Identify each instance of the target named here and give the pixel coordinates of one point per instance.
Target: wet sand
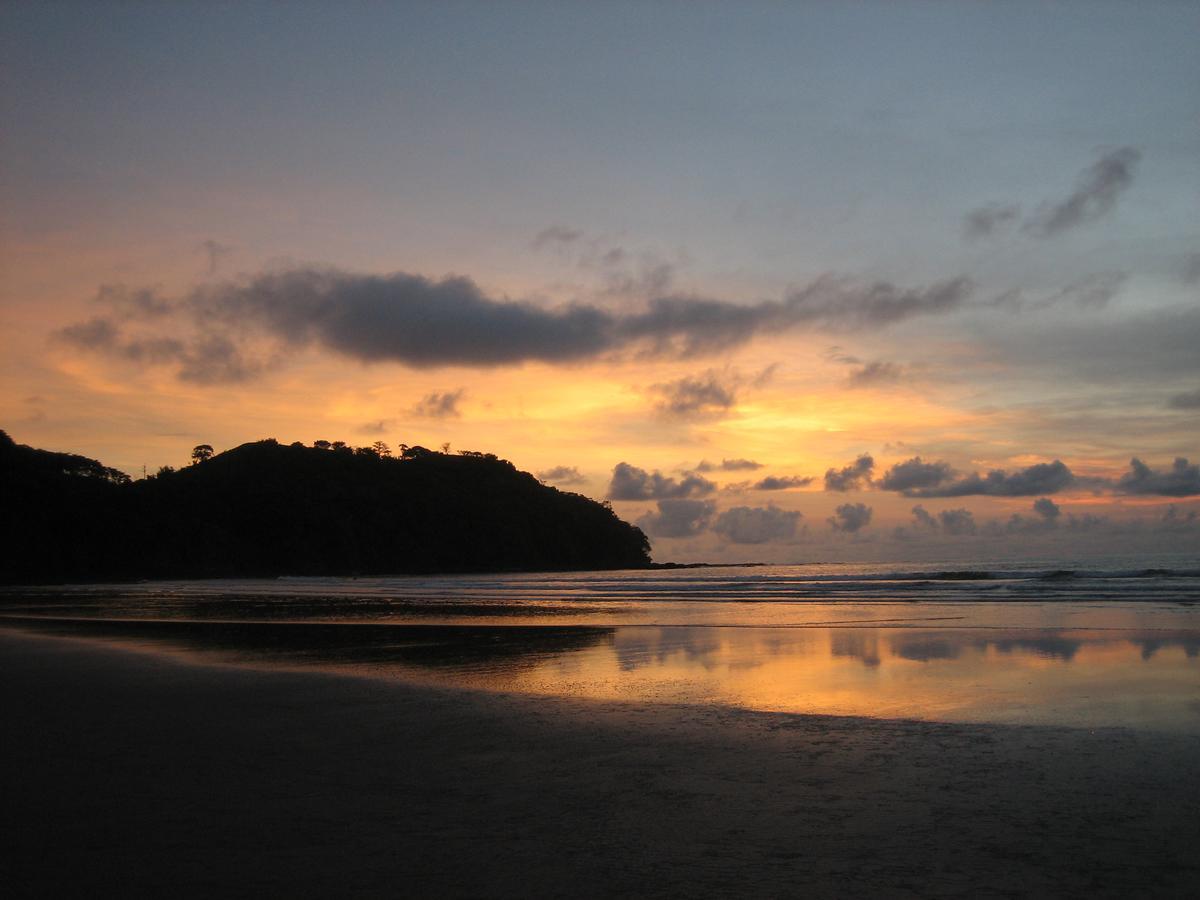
(144, 774)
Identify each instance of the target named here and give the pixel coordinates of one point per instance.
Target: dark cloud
(954, 522)
(698, 396)
(1042, 478)
(957, 522)
(380, 426)
(678, 518)
(440, 405)
(728, 465)
(756, 524)
(782, 482)
(1046, 518)
(556, 234)
(1047, 509)
(874, 373)
(214, 252)
(850, 517)
(1189, 400)
(914, 474)
(922, 518)
(1173, 520)
(420, 322)
(1094, 196)
(1094, 291)
(97, 333)
(567, 475)
(208, 358)
(851, 477)
(1085, 522)
(987, 220)
(631, 483)
(1181, 480)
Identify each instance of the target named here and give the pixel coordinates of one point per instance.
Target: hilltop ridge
(266, 509)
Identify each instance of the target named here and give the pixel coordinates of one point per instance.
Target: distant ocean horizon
(1133, 578)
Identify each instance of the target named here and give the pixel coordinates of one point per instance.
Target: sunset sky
(782, 281)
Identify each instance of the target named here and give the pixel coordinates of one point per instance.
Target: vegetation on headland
(266, 509)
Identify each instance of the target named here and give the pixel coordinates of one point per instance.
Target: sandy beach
(145, 774)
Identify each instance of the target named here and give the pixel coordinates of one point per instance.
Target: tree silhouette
(381, 449)
(264, 510)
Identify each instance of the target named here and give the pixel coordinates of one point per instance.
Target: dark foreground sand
(142, 775)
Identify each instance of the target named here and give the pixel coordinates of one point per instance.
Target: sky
(782, 282)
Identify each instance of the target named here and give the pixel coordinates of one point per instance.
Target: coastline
(146, 774)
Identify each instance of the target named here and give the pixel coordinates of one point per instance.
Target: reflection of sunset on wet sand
(1077, 677)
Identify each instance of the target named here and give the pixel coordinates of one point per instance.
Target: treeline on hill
(264, 509)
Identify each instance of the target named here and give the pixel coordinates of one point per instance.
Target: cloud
(1047, 509)
(922, 518)
(850, 477)
(954, 522)
(1189, 400)
(652, 277)
(631, 483)
(567, 475)
(440, 405)
(1174, 520)
(209, 358)
(850, 517)
(1094, 291)
(623, 273)
(924, 481)
(1181, 480)
(957, 522)
(380, 426)
(987, 220)
(678, 518)
(214, 252)
(913, 474)
(1094, 196)
(97, 333)
(420, 322)
(782, 482)
(1047, 514)
(556, 234)
(728, 465)
(756, 524)
(873, 373)
(698, 396)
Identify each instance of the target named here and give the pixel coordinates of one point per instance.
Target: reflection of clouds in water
(929, 647)
(860, 644)
(709, 648)
(1050, 647)
(735, 649)
(1150, 646)
(638, 647)
(923, 647)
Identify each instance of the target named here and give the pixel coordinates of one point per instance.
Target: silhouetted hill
(264, 509)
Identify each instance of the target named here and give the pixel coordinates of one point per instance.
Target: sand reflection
(1086, 678)
(1091, 677)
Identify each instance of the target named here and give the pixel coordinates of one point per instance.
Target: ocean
(1034, 642)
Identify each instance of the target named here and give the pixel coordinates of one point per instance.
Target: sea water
(1034, 642)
